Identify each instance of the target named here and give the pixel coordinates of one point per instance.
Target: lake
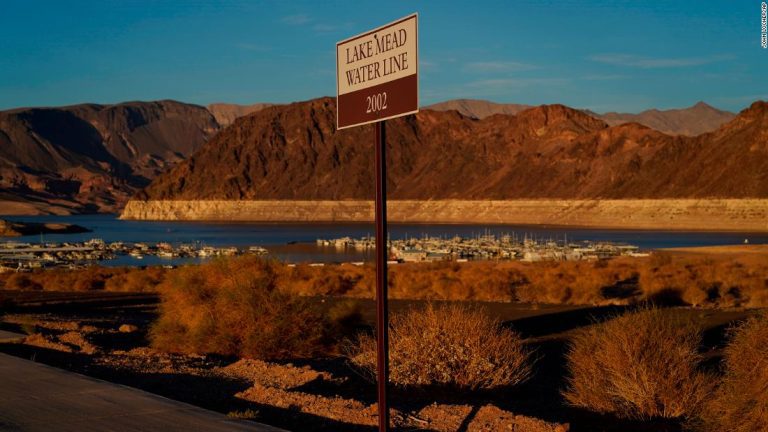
(295, 242)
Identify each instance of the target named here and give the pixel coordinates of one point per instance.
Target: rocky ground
(108, 340)
(322, 394)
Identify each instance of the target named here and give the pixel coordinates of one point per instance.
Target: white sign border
(365, 33)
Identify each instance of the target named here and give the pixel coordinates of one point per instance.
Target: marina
(17, 256)
(138, 243)
(507, 246)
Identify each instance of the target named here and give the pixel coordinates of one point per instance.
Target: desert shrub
(580, 282)
(710, 281)
(88, 279)
(455, 345)
(641, 365)
(234, 307)
(21, 281)
(741, 402)
(344, 279)
(345, 318)
(136, 280)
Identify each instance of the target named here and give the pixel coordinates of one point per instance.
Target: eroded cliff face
(694, 214)
(87, 158)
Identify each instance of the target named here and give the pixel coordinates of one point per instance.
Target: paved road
(36, 397)
(6, 336)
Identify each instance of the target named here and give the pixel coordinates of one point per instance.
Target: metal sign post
(376, 80)
(382, 312)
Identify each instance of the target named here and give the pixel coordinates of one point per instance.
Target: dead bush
(454, 345)
(640, 365)
(741, 402)
(136, 280)
(21, 281)
(234, 307)
(345, 318)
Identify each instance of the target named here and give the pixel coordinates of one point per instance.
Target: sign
(377, 74)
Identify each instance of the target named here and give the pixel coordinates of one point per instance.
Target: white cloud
(604, 77)
(497, 66)
(631, 60)
(516, 82)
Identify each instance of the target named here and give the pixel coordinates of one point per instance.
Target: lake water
(295, 242)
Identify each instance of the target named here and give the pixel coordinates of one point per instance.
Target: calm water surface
(295, 242)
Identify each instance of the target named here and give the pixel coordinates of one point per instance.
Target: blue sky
(605, 56)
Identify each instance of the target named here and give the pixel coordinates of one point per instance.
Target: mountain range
(694, 120)
(293, 152)
(89, 157)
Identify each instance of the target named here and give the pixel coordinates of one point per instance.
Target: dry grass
(234, 307)
(705, 280)
(741, 402)
(91, 278)
(666, 279)
(640, 365)
(456, 345)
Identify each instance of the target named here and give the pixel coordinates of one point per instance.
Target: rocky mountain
(92, 157)
(226, 113)
(477, 108)
(695, 120)
(293, 152)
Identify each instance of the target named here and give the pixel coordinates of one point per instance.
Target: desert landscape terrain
(147, 328)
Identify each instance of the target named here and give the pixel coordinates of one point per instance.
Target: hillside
(546, 165)
(90, 157)
(691, 121)
(477, 108)
(226, 113)
(552, 151)
(695, 120)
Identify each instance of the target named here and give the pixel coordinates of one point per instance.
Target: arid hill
(691, 121)
(293, 152)
(92, 157)
(477, 108)
(226, 113)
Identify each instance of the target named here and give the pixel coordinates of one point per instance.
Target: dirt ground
(107, 338)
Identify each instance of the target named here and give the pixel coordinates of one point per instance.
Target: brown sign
(377, 74)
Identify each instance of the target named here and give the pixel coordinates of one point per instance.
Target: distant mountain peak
(702, 104)
(226, 113)
(477, 108)
(694, 120)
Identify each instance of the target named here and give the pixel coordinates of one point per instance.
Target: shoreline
(695, 215)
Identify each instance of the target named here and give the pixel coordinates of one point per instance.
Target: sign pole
(382, 315)
(377, 79)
